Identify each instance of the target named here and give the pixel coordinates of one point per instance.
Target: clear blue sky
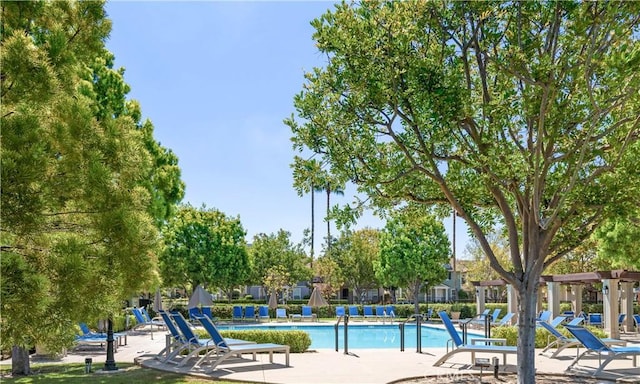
(217, 79)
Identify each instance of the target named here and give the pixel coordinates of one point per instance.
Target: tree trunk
(416, 294)
(528, 298)
(20, 361)
(313, 232)
(328, 221)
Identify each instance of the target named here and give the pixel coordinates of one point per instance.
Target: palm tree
(308, 178)
(331, 187)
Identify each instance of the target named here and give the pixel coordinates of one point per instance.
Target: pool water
(361, 336)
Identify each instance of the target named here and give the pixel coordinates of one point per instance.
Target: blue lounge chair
(143, 321)
(561, 342)
(391, 311)
(506, 320)
(89, 338)
(224, 349)
(636, 319)
(281, 314)
(307, 313)
(193, 343)
(380, 312)
(184, 339)
(594, 345)
(595, 319)
(479, 320)
(250, 313)
(193, 312)
(569, 315)
(428, 314)
(621, 318)
(484, 314)
(473, 348)
(544, 316)
(120, 337)
(340, 311)
(494, 315)
(557, 321)
(354, 312)
(207, 311)
(367, 312)
(263, 313)
(575, 321)
(237, 313)
(178, 341)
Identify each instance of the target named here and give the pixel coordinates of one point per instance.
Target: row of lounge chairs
(368, 312)
(214, 350)
(248, 313)
(92, 339)
(606, 349)
(592, 319)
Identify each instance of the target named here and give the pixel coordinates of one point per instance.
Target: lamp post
(110, 364)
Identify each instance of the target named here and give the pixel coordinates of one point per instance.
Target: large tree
(414, 249)
(355, 253)
(330, 274)
(307, 178)
(525, 113)
(78, 229)
(205, 246)
(276, 249)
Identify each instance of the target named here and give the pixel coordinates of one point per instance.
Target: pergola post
(512, 300)
(610, 307)
(553, 298)
(576, 298)
(479, 299)
(626, 305)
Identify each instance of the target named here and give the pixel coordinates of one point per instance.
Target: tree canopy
(355, 252)
(276, 249)
(205, 246)
(331, 276)
(522, 113)
(618, 241)
(82, 196)
(414, 249)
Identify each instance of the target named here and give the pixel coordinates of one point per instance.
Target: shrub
(543, 337)
(509, 332)
(298, 341)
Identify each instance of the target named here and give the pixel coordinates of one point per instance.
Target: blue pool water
(361, 336)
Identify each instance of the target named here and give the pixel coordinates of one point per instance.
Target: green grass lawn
(74, 374)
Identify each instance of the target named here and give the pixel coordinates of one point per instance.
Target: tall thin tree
(331, 187)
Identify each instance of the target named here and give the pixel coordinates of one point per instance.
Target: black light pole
(110, 364)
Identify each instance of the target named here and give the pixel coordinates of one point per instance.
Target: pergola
(617, 294)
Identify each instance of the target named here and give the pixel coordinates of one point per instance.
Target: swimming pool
(361, 336)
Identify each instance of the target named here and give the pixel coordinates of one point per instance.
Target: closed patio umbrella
(200, 297)
(316, 299)
(157, 301)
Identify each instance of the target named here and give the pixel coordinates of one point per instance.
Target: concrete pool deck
(326, 366)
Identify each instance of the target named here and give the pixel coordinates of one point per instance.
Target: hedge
(543, 337)
(298, 341)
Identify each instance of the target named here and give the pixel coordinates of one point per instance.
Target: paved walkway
(328, 366)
